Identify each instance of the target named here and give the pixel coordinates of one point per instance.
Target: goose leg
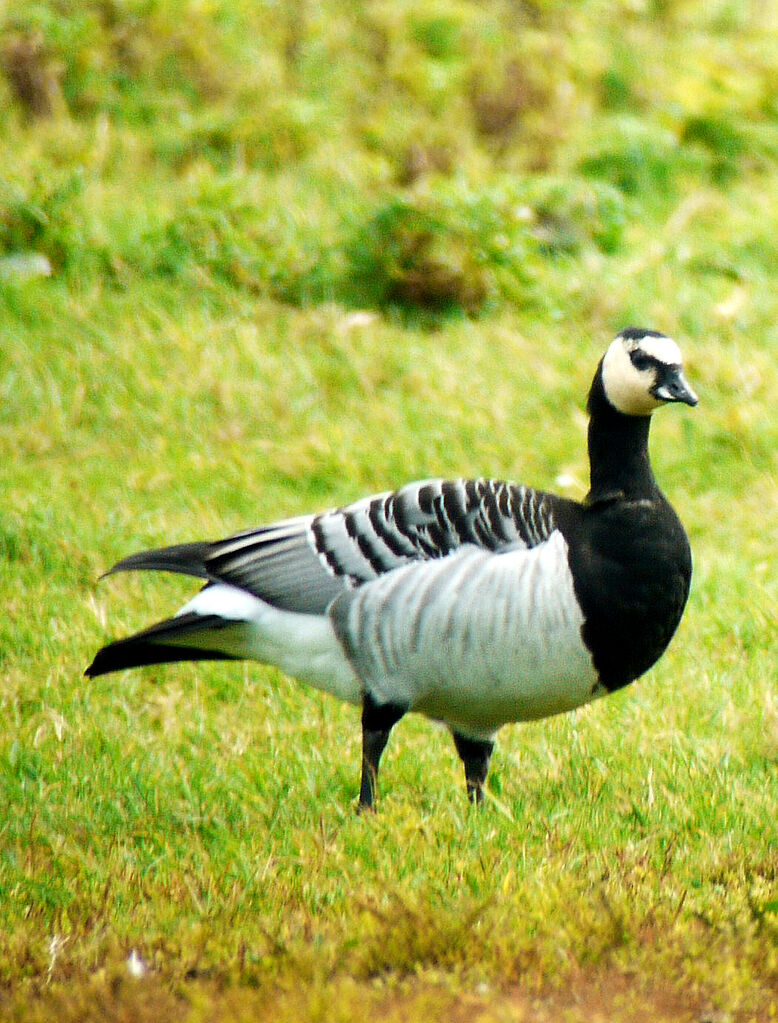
(475, 754)
(377, 722)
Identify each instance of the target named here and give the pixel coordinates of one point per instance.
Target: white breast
(475, 639)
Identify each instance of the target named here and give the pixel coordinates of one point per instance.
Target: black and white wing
(302, 564)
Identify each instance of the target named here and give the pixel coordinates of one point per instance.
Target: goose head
(641, 370)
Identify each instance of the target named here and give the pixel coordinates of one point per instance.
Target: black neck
(618, 450)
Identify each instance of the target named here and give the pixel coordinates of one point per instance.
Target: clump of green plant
(251, 232)
(570, 213)
(422, 254)
(722, 140)
(639, 159)
(44, 214)
(454, 245)
(136, 60)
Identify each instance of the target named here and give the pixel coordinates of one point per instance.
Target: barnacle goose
(474, 602)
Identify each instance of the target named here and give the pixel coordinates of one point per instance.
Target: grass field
(300, 253)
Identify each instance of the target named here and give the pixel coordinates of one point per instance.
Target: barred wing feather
(303, 564)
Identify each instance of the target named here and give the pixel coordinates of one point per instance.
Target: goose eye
(640, 360)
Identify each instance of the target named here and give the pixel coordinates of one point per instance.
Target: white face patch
(628, 388)
(663, 349)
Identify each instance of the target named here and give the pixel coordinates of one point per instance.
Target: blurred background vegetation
(444, 156)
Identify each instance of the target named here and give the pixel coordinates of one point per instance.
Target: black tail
(162, 643)
(186, 558)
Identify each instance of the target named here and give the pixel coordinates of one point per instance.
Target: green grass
(280, 282)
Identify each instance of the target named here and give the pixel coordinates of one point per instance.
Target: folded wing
(303, 564)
